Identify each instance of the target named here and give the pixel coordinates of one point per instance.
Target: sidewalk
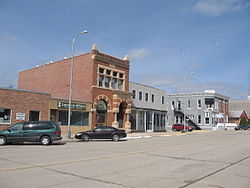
(143, 134)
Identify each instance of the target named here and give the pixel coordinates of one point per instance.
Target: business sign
(20, 116)
(65, 105)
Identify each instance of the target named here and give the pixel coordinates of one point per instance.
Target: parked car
(180, 127)
(103, 132)
(242, 127)
(44, 132)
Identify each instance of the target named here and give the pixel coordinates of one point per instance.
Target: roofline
(14, 89)
(147, 86)
(198, 94)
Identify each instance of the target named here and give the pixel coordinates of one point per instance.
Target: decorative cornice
(110, 59)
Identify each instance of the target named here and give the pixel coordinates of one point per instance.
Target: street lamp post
(71, 81)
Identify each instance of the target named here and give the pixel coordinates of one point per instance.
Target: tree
(243, 121)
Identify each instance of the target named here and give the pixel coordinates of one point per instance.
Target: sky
(178, 46)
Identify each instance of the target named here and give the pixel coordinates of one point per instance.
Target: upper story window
(146, 96)
(189, 104)
(110, 78)
(134, 94)
(216, 105)
(153, 98)
(140, 95)
(172, 105)
(162, 100)
(199, 104)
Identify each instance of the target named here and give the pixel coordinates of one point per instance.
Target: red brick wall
(54, 78)
(23, 102)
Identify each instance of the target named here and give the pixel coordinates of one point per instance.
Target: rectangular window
(108, 72)
(77, 118)
(207, 120)
(140, 95)
(153, 98)
(101, 70)
(34, 116)
(206, 114)
(134, 94)
(101, 78)
(114, 74)
(114, 83)
(172, 105)
(199, 104)
(121, 75)
(162, 100)
(107, 82)
(146, 96)
(216, 105)
(199, 119)
(5, 115)
(120, 84)
(177, 119)
(189, 104)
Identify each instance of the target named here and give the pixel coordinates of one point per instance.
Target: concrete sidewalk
(144, 134)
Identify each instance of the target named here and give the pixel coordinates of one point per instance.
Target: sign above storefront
(73, 106)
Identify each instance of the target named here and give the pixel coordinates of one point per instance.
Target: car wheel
(85, 138)
(115, 137)
(3, 140)
(45, 140)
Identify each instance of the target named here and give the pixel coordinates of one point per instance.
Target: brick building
(100, 83)
(20, 105)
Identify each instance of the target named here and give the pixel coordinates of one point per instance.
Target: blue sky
(205, 41)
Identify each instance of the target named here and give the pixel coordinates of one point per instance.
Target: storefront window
(4, 115)
(77, 118)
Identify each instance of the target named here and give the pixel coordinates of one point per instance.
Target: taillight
(58, 133)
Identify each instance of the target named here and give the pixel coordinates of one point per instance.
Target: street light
(71, 80)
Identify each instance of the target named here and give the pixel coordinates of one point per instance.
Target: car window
(98, 129)
(17, 127)
(30, 126)
(45, 125)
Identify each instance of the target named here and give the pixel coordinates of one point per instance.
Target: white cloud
(217, 7)
(8, 37)
(139, 53)
(174, 83)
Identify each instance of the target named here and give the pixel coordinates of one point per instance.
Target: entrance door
(121, 115)
(101, 113)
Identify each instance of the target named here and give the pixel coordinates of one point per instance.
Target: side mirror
(9, 130)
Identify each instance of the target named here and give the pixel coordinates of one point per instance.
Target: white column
(145, 122)
(153, 121)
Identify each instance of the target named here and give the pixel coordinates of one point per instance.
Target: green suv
(44, 132)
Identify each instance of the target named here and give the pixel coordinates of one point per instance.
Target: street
(200, 159)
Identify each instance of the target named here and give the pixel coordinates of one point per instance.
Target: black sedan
(242, 127)
(104, 132)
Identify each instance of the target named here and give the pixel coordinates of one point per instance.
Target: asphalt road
(208, 159)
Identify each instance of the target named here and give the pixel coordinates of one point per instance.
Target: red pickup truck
(180, 127)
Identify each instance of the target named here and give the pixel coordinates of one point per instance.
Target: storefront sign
(73, 106)
(20, 116)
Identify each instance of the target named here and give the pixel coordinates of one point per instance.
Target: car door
(15, 133)
(97, 133)
(30, 132)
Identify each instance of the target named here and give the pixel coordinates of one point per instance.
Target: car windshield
(15, 127)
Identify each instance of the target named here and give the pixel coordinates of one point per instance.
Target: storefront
(81, 115)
